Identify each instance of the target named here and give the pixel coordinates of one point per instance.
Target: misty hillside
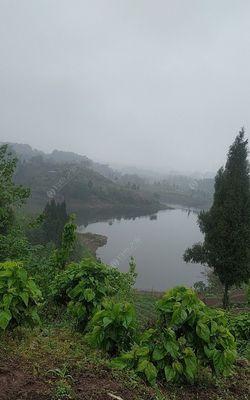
(25, 152)
(88, 185)
(73, 178)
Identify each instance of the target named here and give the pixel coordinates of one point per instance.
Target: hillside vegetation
(81, 187)
(72, 327)
(97, 191)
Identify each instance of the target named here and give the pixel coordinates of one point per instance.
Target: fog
(161, 84)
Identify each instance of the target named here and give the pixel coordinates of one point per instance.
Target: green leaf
(76, 291)
(22, 274)
(209, 352)
(89, 294)
(229, 356)
(158, 354)
(150, 372)
(203, 331)
(35, 317)
(147, 335)
(34, 289)
(107, 321)
(118, 363)
(179, 315)
(128, 356)
(7, 299)
(25, 297)
(5, 317)
(5, 273)
(177, 366)
(169, 373)
(172, 348)
(218, 361)
(128, 319)
(191, 366)
(214, 327)
(142, 351)
(142, 365)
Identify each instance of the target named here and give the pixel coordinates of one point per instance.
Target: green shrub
(82, 287)
(113, 327)
(122, 283)
(204, 329)
(239, 325)
(19, 296)
(187, 336)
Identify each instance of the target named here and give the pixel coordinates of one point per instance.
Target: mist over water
(157, 245)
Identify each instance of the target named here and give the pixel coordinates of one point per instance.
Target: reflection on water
(157, 242)
(89, 216)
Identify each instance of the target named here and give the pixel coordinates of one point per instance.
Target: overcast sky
(157, 83)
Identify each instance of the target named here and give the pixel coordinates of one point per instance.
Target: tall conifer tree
(226, 226)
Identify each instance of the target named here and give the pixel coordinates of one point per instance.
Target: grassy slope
(29, 363)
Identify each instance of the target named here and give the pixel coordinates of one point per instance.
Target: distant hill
(25, 152)
(75, 179)
(93, 188)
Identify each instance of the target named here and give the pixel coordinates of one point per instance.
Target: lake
(157, 242)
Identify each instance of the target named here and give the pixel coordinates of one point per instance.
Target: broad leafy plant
(19, 297)
(82, 288)
(113, 327)
(204, 329)
(160, 355)
(239, 325)
(188, 335)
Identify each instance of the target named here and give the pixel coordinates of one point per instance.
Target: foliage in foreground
(239, 325)
(113, 327)
(83, 286)
(19, 297)
(187, 335)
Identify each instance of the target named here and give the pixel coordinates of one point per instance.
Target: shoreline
(92, 241)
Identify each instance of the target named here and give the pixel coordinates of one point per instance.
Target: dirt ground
(16, 383)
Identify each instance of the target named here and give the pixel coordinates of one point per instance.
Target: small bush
(204, 329)
(122, 283)
(113, 327)
(187, 335)
(19, 297)
(239, 325)
(82, 287)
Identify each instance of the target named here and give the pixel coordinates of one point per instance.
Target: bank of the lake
(92, 241)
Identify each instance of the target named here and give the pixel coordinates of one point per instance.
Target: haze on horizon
(163, 84)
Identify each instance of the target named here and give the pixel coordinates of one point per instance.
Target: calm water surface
(157, 245)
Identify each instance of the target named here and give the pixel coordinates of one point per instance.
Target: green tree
(11, 197)
(55, 217)
(226, 226)
(68, 242)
